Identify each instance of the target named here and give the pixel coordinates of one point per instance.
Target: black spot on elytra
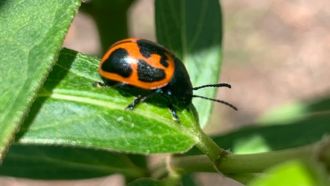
(117, 63)
(148, 73)
(147, 48)
(163, 61)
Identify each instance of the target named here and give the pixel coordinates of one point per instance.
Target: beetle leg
(99, 84)
(173, 112)
(138, 100)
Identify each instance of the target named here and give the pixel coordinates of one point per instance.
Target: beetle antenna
(213, 85)
(216, 100)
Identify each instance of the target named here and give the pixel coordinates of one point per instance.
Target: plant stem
(252, 163)
(210, 148)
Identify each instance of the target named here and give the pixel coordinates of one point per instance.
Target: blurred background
(275, 53)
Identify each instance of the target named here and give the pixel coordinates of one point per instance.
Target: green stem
(210, 148)
(252, 163)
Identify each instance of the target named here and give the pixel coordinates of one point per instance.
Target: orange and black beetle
(146, 65)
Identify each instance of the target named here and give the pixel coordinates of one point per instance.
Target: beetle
(146, 65)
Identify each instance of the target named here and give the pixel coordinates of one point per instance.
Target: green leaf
(275, 137)
(147, 182)
(289, 113)
(71, 111)
(310, 122)
(284, 114)
(56, 162)
(192, 29)
(293, 173)
(31, 34)
(188, 180)
(168, 181)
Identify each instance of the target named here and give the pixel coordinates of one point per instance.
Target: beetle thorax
(179, 88)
